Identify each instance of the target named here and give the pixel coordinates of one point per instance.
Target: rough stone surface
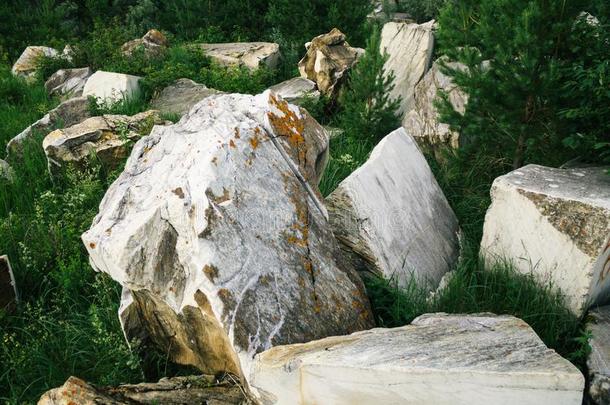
(249, 54)
(8, 288)
(153, 44)
(439, 359)
(68, 113)
(111, 87)
(217, 233)
(409, 48)
(554, 223)
(109, 136)
(26, 65)
(598, 362)
(296, 90)
(392, 218)
(181, 96)
(6, 172)
(68, 83)
(327, 60)
(422, 122)
(168, 391)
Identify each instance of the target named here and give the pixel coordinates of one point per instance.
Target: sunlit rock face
(328, 60)
(409, 47)
(554, 223)
(392, 218)
(439, 359)
(219, 237)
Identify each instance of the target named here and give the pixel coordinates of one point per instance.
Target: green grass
(67, 322)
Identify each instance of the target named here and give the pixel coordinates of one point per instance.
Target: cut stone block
(109, 137)
(296, 90)
(217, 233)
(423, 121)
(409, 48)
(8, 288)
(27, 64)
(181, 96)
(554, 223)
(392, 218)
(111, 87)
(598, 362)
(68, 113)
(249, 54)
(439, 359)
(67, 83)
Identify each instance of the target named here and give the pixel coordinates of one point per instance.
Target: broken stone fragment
(217, 233)
(598, 361)
(153, 44)
(6, 171)
(8, 288)
(328, 59)
(555, 224)
(27, 64)
(67, 83)
(296, 90)
(108, 137)
(68, 113)
(423, 121)
(180, 96)
(111, 87)
(249, 54)
(409, 47)
(438, 359)
(392, 218)
(168, 391)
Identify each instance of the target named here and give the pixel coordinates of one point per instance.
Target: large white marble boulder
(8, 288)
(111, 87)
(296, 90)
(27, 64)
(67, 113)
(217, 234)
(328, 59)
(249, 54)
(392, 218)
(439, 359)
(554, 223)
(68, 83)
(108, 137)
(409, 47)
(423, 121)
(598, 361)
(180, 96)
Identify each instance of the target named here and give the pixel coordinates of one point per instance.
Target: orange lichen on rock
(290, 126)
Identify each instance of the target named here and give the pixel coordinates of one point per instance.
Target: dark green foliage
(315, 17)
(367, 113)
(519, 107)
(422, 10)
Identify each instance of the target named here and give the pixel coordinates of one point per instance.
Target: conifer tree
(515, 52)
(367, 112)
